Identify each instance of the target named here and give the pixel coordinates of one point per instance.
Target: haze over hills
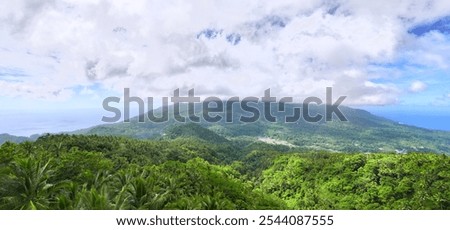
(363, 132)
(16, 139)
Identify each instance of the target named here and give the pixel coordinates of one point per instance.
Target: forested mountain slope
(107, 172)
(363, 132)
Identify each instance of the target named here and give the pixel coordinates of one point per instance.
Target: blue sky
(69, 55)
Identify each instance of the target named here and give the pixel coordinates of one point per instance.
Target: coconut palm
(27, 185)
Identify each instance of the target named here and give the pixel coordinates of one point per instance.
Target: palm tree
(93, 199)
(27, 185)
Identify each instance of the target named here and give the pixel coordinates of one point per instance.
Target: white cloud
(417, 86)
(295, 48)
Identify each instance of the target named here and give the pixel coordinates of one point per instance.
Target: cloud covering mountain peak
(370, 52)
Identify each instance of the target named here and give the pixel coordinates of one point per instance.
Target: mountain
(16, 139)
(234, 165)
(363, 132)
(194, 130)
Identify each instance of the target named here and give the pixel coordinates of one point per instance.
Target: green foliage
(360, 181)
(194, 130)
(104, 172)
(27, 186)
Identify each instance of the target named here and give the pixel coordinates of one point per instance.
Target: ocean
(423, 116)
(26, 123)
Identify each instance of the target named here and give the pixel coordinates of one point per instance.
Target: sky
(60, 57)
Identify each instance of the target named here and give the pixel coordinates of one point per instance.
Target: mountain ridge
(5, 137)
(363, 132)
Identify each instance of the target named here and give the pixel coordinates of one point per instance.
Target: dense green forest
(105, 172)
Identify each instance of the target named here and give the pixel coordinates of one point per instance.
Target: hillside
(363, 132)
(84, 172)
(16, 139)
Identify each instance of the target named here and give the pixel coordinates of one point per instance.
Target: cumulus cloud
(417, 86)
(218, 47)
